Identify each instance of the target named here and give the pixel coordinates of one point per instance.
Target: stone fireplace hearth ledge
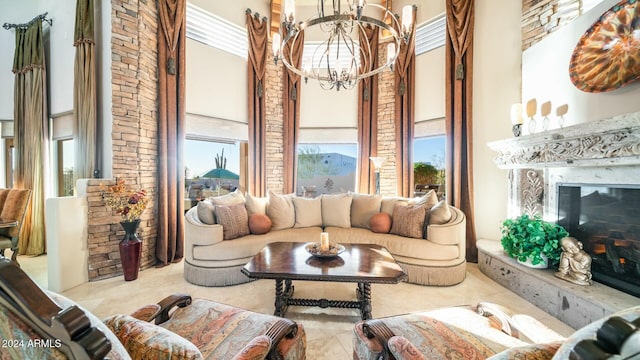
(574, 305)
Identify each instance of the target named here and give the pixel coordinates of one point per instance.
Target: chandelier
(345, 56)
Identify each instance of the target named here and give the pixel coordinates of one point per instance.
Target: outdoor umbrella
(220, 173)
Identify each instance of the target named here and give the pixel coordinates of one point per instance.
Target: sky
(200, 155)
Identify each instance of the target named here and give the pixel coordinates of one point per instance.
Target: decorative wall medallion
(607, 56)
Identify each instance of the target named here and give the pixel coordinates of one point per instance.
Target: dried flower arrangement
(126, 203)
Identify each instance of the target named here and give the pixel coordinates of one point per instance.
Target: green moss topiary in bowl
(527, 238)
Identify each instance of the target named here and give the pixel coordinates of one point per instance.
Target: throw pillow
(281, 211)
(363, 207)
(259, 224)
(440, 214)
(234, 220)
(231, 198)
(255, 205)
(206, 210)
(381, 223)
(428, 200)
(144, 340)
(408, 220)
(388, 203)
(336, 210)
(308, 212)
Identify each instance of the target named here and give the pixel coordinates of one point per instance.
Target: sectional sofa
(426, 237)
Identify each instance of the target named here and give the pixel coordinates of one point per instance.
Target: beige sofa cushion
(388, 203)
(363, 207)
(308, 212)
(206, 212)
(281, 211)
(255, 205)
(206, 208)
(440, 214)
(429, 199)
(336, 210)
(231, 198)
(408, 221)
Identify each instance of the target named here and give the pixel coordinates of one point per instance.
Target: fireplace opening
(606, 219)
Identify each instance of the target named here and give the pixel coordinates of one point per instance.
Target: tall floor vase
(130, 250)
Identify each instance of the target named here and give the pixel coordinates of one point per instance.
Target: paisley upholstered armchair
(35, 324)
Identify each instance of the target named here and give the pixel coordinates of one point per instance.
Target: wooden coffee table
(359, 263)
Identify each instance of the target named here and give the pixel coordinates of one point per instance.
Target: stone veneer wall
(134, 96)
(386, 125)
(542, 17)
(275, 124)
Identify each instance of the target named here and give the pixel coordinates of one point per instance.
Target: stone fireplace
(560, 173)
(606, 219)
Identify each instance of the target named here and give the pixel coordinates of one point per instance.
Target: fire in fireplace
(606, 219)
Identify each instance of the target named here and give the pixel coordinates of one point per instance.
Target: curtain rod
(41, 17)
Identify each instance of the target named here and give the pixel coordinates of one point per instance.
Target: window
(431, 35)
(429, 164)
(212, 30)
(326, 169)
(65, 163)
(212, 167)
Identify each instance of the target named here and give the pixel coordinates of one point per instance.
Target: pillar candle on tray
(324, 241)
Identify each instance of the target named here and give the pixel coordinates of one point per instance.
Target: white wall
(545, 76)
(496, 85)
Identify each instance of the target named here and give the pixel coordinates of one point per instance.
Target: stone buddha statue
(575, 263)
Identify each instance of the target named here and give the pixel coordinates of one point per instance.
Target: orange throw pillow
(380, 223)
(259, 224)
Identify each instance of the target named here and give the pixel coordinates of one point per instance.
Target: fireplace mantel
(610, 142)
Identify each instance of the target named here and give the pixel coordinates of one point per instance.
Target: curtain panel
(291, 113)
(84, 92)
(257, 31)
(171, 129)
(31, 132)
(405, 70)
(368, 115)
(458, 120)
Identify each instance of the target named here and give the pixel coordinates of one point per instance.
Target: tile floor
(329, 331)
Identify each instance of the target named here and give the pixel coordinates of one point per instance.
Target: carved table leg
(280, 301)
(282, 296)
(364, 296)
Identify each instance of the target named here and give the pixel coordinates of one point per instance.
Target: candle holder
(560, 112)
(517, 130)
(531, 112)
(545, 110)
(516, 119)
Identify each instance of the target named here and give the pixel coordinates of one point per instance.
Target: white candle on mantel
(516, 114)
(324, 241)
